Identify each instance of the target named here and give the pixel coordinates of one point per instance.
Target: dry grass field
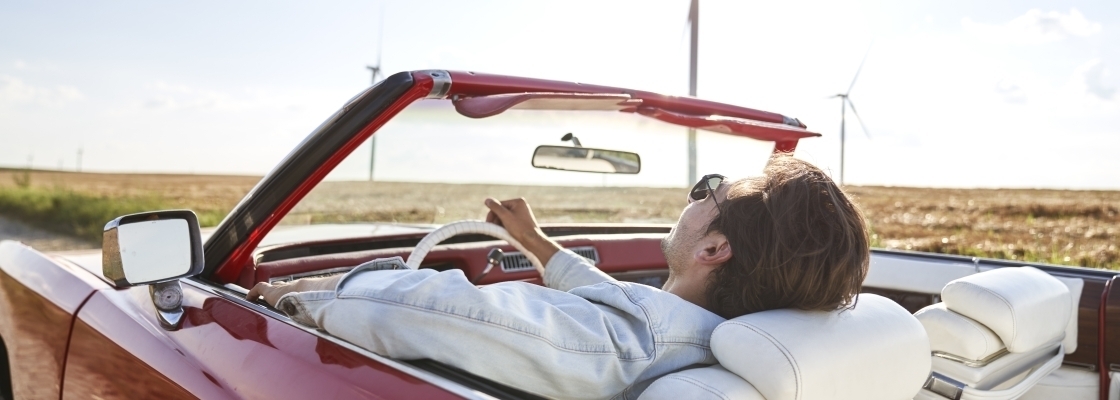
(1051, 226)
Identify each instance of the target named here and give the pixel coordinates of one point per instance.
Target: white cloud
(1034, 27)
(1096, 77)
(23, 65)
(168, 96)
(1011, 91)
(15, 91)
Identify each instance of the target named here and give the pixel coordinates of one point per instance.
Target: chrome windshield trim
(441, 84)
(443, 383)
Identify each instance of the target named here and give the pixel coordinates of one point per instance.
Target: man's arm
(564, 269)
(554, 343)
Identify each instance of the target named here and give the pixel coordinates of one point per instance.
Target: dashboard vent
(514, 261)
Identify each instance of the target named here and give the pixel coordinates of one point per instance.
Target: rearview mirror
(140, 249)
(584, 159)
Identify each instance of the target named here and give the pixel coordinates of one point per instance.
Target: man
(790, 238)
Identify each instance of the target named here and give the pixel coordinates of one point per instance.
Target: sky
(953, 93)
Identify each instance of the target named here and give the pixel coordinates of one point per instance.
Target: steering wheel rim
(470, 226)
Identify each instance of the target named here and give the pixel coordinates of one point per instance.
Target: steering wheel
(456, 228)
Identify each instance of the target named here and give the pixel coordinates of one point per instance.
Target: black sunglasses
(707, 185)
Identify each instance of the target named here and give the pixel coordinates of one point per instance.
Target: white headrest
(875, 351)
(1025, 307)
(958, 335)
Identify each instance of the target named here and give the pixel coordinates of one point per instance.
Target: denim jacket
(586, 335)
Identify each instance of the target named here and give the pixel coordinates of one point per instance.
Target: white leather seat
(875, 351)
(995, 334)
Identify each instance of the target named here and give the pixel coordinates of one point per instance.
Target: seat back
(996, 332)
(876, 350)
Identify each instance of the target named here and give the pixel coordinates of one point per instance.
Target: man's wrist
(541, 246)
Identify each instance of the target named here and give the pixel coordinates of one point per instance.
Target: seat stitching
(1014, 326)
(982, 335)
(785, 353)
(702, 385)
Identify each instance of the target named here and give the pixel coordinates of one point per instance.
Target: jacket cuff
(305, 307)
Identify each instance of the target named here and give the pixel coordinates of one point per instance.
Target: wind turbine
(376, 72)
(845, 102)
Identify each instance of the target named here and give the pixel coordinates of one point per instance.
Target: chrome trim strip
(970, 362)
(1085, 366)
(522, 262)
(441, 84)
(319, 273)
(438, 381)
(944, 386)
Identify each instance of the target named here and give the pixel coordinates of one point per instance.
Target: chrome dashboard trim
(514, 261)
(312, 274)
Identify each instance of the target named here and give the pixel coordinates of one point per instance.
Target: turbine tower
(845, 102)
(693, 59)
(376, 72)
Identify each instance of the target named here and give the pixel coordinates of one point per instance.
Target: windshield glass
(433, 166)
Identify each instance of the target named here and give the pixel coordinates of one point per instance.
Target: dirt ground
(1052, 226)
(40, 239)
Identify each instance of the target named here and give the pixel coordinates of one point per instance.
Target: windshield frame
(230, 248)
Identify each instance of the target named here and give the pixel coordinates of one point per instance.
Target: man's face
(681, 241)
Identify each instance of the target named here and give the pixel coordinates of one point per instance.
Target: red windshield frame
(472, 84)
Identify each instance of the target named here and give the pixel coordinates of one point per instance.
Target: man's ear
(714, 250)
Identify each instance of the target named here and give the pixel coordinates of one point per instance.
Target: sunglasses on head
(706, 186)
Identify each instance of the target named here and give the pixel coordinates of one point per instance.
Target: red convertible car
(160, 311)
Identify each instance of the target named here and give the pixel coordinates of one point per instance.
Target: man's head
(788, 239)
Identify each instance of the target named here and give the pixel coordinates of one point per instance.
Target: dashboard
(633, 257)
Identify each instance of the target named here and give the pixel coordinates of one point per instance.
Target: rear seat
(996, 334)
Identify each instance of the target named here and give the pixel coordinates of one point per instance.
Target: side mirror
(151, 247)
(585, 159)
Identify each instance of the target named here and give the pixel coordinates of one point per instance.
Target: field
(1051, 226)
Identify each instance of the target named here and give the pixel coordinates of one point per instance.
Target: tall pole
(843, 112)
(694, 52)
(373, 138)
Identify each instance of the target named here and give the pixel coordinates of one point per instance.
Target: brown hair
(796, 239)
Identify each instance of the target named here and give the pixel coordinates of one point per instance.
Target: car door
(38, 298)
(224, 348)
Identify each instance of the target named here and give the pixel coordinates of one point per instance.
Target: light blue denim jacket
(586, 335)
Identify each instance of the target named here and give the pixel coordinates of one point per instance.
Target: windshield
(433, 166)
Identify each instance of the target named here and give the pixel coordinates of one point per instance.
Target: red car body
(67, 332)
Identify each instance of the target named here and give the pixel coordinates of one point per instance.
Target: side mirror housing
(151, 247)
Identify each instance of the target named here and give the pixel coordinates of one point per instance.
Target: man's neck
(688, 289)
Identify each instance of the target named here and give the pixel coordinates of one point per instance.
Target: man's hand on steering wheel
(516, 216)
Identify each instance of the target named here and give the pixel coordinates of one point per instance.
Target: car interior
(925, 326)
(985, 331)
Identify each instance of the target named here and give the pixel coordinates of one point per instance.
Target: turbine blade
(861, 125)
(858, 70)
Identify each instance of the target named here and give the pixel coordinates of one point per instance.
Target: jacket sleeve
(550, 342)
(567, 270)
